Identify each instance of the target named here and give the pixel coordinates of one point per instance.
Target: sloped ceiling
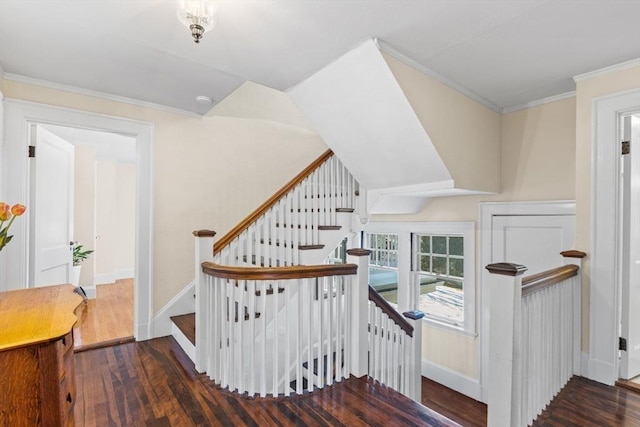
(501, 52)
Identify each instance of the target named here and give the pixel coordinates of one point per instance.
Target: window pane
(425, 263)
(456, 267)
(394, 242)
(439, 264)
(425, 244)
(456, 246)
(439, 245)
(393, 260)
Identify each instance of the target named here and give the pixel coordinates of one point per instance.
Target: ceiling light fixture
(197, 15)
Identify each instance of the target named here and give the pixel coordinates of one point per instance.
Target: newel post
(575, 257)
(359, 313)
(204, 253)
(414, 380)
(505, 369)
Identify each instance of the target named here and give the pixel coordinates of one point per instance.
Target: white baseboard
(184, 342)
(601, 372)
(454, 380)
(584, 365)
(126, 273)
(103, 279)
(183, 303)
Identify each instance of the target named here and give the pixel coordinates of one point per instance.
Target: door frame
(487, 211)
(603, 363)
(18, 116)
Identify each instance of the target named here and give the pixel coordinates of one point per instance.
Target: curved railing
(276, 331)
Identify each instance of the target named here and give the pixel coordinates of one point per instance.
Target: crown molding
(96, 94)
(386, 48)
(537, 102)
(606, 70)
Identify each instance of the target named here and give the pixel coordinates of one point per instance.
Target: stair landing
(187, 324)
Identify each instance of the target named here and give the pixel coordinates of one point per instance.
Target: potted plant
(79, 255)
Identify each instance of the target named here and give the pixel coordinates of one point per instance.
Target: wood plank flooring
(586, 403)
(153, 383)
(107, 319)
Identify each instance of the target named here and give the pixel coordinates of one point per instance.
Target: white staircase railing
(393, 341)
(534, 342)
(271, 319)
(258, 346)
(314, 212)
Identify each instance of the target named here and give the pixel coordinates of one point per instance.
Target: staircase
(273, 315)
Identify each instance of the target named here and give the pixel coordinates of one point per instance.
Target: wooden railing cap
(204, 233)
(506, 268)
(359, 252)
(393, 314)
(573, 254)
(278, 273)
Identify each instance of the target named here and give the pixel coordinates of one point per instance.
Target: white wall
(125, 231)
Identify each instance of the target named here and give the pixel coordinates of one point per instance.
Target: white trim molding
(183, 303)
(607, 70)
(604, 293)
(389, 50)
(96, 94)
(454, 380)
(547, 100)
(18, 117)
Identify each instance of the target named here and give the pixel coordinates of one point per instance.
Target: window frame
(409, 300)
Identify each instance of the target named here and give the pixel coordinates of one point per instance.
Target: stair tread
(187, 324)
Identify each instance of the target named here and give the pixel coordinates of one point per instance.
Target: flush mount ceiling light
(197, 15)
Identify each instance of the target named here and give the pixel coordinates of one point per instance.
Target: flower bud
(18, 209)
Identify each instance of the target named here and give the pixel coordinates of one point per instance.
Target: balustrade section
(276, 331)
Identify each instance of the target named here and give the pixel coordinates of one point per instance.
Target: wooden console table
(37, 377)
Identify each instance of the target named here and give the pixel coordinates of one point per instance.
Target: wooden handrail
(539, 281)
(245, 223)
(384, 305)
(278, 273)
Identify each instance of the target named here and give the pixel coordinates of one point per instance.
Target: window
(383, 264)
(429, 266)
(438, 271)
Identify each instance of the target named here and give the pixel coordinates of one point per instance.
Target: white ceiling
(504, 52)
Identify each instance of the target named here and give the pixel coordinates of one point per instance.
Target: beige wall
(106, 244)
(209, 173)
(84, 206)
(465, 133)
(537, 163)
(586, 91)
(125, 230)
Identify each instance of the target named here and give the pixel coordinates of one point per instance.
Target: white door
(534, 241)
(630, 309)
(51, 205)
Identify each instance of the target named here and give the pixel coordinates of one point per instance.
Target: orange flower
(5, 215)
(4, 207)
(18, 209)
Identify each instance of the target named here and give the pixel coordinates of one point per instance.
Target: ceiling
(503, 52)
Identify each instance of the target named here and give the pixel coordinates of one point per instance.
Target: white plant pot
(74, 277)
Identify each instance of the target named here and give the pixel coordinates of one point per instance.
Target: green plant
(79, 255)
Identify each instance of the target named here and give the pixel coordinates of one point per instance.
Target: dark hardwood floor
(153, 383)
(586, 403)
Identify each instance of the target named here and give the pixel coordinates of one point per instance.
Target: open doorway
(19, 117)
(99, 221)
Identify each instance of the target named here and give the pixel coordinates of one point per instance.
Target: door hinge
(626, 147)
(32, 151)
(622, 344)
